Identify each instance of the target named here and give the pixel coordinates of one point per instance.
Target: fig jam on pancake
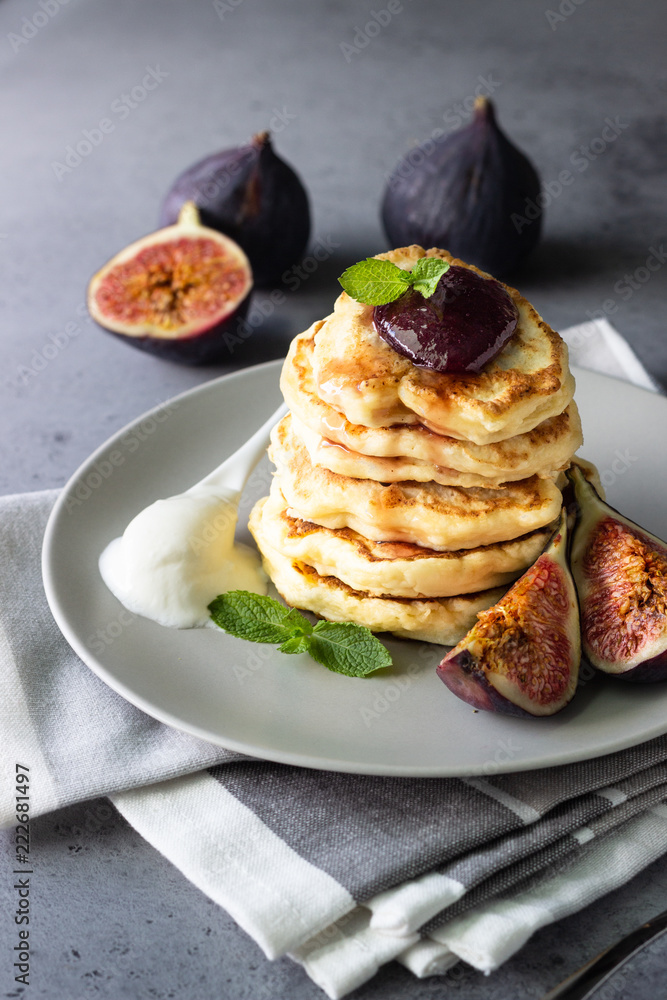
(460, 328)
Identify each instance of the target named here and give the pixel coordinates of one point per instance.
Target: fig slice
(522, 656)
(620, 572)
(176, 292)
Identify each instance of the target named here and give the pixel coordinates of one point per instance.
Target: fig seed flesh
(522, 657)
(620, 571)
(172, 285)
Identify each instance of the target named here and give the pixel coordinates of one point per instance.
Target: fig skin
(253, 196)
(468, 192)
(200, 340)
(620, 571)
(207, 348)
(543, 599)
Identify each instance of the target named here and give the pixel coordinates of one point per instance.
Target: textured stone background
(113, 918)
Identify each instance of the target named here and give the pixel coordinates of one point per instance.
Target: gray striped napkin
(342, 872)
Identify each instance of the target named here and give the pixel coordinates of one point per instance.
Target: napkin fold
(342, 872)
(79, 738)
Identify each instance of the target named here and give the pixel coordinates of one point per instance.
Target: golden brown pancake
(446, 460)
(337, 458)
(443, 620)
(360, 375)
(445, 518)
(393, 569)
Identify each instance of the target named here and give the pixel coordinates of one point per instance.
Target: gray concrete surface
(115, 919)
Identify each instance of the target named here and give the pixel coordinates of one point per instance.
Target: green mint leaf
(342, 647)
(375, 282)
(301, 630)
(297, 644)
(300, 625)
(348, 649)
(426, 274)
(255, 617)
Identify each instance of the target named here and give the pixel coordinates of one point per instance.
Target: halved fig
(522, 657)
(620, 571)
(177, 293)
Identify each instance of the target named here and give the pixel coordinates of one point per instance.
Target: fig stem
(483, 109)
(189, 215)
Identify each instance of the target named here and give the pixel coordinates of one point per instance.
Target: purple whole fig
(466, 192)
(620, 571)
(523, 655)
(250, 194)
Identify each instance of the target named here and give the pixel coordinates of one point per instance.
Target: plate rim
(49, 577)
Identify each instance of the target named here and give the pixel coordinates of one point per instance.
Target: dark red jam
(459, 329)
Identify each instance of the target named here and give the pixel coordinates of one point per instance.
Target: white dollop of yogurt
(177, 555)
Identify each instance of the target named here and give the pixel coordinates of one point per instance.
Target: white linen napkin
(598, 346)
(342, 872)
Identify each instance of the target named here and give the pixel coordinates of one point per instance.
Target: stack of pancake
(405, 499)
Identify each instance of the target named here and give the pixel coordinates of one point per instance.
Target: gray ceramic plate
(288, 708)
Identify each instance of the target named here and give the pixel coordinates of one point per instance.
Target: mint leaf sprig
(376, 282)
(343, 647)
